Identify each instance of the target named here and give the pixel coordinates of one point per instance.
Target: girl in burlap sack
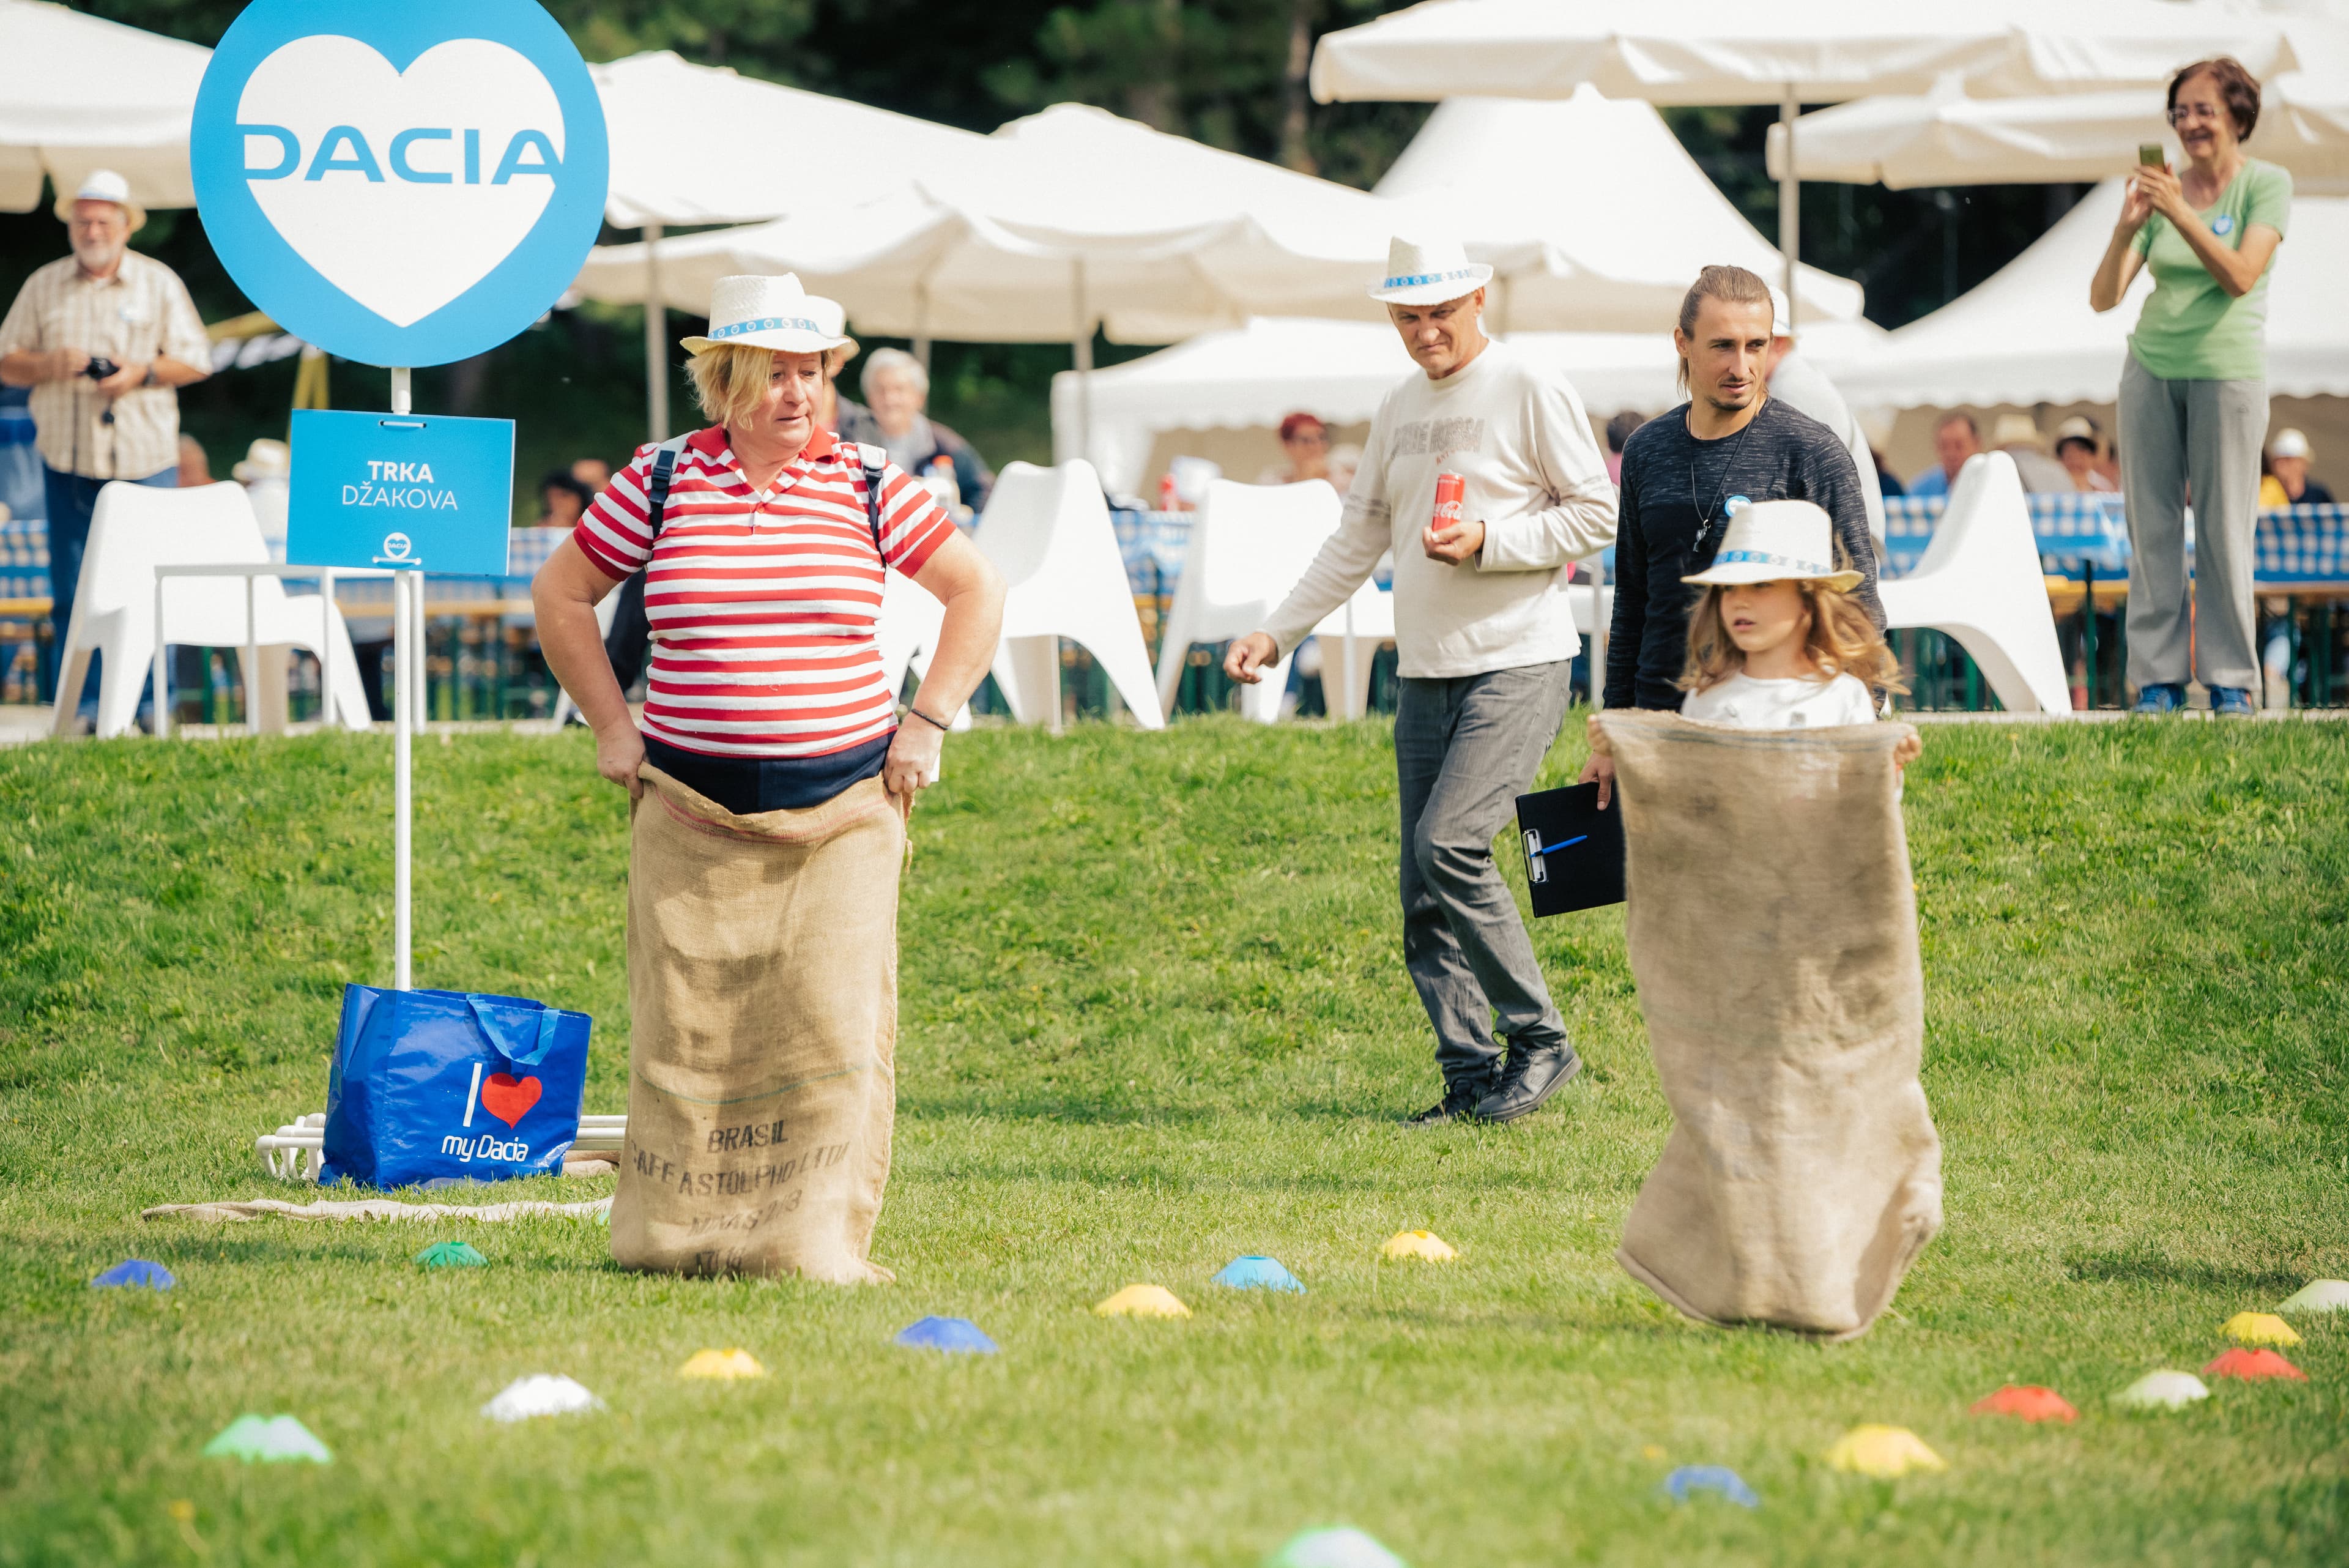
(770, 788)
(1772, 931)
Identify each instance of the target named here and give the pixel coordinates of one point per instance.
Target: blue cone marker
(949, 1333)
(136, 1272)
(1258, 1273)
(1710, 1478)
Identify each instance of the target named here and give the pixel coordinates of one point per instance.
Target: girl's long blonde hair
(1838, 635)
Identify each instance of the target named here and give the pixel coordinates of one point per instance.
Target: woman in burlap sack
(770, 786)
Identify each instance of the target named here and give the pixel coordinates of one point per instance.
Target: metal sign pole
(406, 588)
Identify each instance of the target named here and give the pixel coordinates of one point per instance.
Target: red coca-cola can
(1449, 490)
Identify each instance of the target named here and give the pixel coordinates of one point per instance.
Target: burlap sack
(1773, 933)
(762, 975)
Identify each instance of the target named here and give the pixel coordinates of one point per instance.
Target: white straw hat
(2290, 442)
(265, 459)
(1778, 540)
(1782, 320)
(771, 312)
(1428, 272)
(103, 185)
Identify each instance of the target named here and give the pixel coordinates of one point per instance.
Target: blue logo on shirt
(2223, 224)
(1729, 507)
(401, 185)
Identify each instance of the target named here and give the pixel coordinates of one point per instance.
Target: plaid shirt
(139, 314)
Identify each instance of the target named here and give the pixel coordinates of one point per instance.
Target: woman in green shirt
(2194, 403)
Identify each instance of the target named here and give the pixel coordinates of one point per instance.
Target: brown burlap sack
(762, 974)
(1773, 933)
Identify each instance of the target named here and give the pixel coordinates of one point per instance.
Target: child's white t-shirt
(1744, 703)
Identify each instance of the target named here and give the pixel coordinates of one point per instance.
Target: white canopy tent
(1524, 177)
(85, 94)
(1251, 377)
(2026, 335)
(1787, 53)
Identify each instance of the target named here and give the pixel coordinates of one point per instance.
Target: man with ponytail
(1730, 445)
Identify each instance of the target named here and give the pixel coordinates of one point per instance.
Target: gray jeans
(1466, 748)
(2206, 434)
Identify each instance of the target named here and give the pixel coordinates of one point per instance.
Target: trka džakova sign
(409, 492)
(399, 182)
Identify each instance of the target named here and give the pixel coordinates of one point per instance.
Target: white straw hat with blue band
(1777, 541)
(1428, 272)
(771, 312)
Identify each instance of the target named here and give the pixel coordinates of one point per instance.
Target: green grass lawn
(1154, 1016)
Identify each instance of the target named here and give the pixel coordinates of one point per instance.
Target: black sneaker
(1527, 1079)
(1458, 1104)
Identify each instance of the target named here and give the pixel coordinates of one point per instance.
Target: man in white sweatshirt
(1485, 639)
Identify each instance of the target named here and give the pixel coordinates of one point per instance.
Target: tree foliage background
(1227, 72)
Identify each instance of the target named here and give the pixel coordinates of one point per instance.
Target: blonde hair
(1838, 634)
(730, 380)
(1731, 285)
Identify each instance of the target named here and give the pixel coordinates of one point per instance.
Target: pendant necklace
(1704, 518)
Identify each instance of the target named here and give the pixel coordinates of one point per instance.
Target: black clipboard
(1574, 851)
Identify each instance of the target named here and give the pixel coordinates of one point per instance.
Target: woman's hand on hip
(619, 753)
(913, 763)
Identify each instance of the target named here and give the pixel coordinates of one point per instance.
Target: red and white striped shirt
(763, 607)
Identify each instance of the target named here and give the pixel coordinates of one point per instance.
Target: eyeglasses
(2187, 113)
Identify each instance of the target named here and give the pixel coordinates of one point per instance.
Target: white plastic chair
(910, 620)
(1249, 545)
(607, 611)
(136, 529)
(1047, 532)
(1980, 581)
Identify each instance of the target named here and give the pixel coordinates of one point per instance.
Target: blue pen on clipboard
(1535, 870)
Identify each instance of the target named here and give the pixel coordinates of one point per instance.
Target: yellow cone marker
(1424, 1244)
(722, 1363)
(1883, 1452)
(2259, 1328)
(1143, 1301)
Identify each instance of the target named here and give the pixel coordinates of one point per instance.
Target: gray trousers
(1466, 748)
(2204, 435)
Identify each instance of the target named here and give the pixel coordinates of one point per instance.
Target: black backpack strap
(875, 460)
(664, 458)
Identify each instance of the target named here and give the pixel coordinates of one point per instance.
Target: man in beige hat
(2286, 482)
(102, 338)
(1485, 639)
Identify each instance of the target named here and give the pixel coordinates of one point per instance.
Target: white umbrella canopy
(1947, 137)
(1519, 176)
(85, 94)
(1735, 51)
(1068, 219)
(2025, 334)
(699, 144)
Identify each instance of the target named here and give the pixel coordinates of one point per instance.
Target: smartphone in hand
(2148, 155)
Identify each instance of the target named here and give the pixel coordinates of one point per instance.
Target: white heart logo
(403, 189)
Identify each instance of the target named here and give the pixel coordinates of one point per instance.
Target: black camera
(100, 369)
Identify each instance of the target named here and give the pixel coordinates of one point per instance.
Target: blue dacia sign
(399, 182)
(407, 490)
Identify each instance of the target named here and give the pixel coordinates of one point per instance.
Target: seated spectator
(2286, 482)
(195, 467)
(267, 473)
(1885, 480)
(1305, 452)
(1619, 431)
(1344, 462)
(896, 391)
(1955, 439)
(592, 472)
(563, 500)
(2078, 446)
(2017, 435)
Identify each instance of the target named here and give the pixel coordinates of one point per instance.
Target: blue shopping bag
(430, 1083)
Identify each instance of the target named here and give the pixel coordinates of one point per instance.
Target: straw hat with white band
(1428, 272)
(1776, 542)
(771, 312)
(103, 185)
